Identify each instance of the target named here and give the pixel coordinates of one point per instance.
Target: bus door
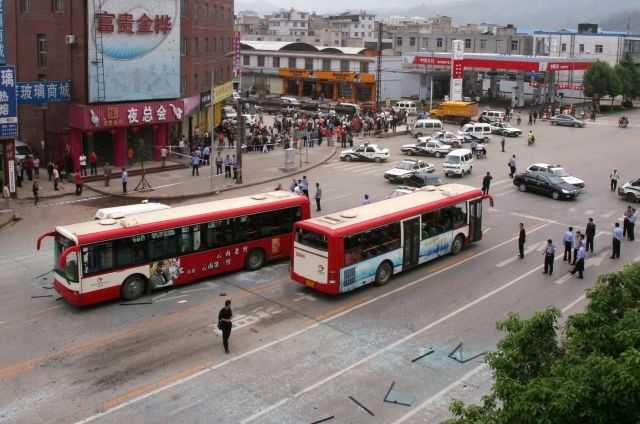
(411, 248)
(475, 220)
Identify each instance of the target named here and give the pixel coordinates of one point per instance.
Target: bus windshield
(70, 271)
(311, 239)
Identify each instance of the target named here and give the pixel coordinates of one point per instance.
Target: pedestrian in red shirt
(93, 160)
(78, 180)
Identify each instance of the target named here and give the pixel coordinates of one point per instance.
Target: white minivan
(118, 212)
(408, 106)
(22, 150)
(426, 127)
(480, 130)
(458, 162)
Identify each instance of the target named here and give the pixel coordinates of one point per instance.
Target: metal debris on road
(43, 295)
(136, 303)
(398, 398)
(426, 352)
(362, 406)
(323, 420)
(459, 358)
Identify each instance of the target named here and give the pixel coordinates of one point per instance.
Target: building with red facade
(137, 70)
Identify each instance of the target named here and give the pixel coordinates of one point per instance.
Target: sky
(328, 5)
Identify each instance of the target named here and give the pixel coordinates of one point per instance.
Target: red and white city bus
(339, 252)
(110, 258)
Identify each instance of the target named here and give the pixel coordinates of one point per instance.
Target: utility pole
(239, 141)
(379, 67)
(213, 123)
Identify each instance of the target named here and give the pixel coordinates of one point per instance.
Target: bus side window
(97, 257)
(459, 214)
(216, 234)
(130, 250)
(162, 245)
(190, 239)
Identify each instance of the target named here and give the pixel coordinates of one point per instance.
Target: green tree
(588, 374)
(629, 75)
(601, 80)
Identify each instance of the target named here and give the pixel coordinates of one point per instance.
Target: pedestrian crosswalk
(361, 168)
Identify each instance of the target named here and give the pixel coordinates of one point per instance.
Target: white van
(491, 116)
(482, 131)
(408, 106)
(458, 162)
(426, 127)
(118, 212)
(22, 150)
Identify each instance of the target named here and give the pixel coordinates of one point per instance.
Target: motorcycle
(531, 141)
(623, 122)
(481, 151)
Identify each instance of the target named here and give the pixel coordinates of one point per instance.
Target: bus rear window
(311, 239)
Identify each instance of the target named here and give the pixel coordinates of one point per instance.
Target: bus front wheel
(255, 260)
(383, 274)
(456, 247)
(132, 288)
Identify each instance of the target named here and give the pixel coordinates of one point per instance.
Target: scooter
(481, 151)
(623, 122)
(531, 141)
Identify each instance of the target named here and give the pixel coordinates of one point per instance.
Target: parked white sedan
(365, 152)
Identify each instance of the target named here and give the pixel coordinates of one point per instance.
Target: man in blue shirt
(631, 225)
(549, 256)
(568, 243)
(580, 256)
(195, 164)
(304, 186)
(617, 239)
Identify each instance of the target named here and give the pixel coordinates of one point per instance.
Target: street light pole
(431, 81)
(213, 122)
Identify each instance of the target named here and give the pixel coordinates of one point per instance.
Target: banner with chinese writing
(8, 104)
(3, 43)
(101, 117)
(236, 54)
(37, 92)
(134, 50)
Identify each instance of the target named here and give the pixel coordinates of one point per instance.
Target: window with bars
(57, 6)
(42, 50)
(25, 6)
(184, 8)
(183, 47)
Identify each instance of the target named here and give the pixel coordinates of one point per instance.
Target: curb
(222, 190)
(12, 217)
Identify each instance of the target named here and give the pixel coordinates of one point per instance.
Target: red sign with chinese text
(100, 117)
(105, 22)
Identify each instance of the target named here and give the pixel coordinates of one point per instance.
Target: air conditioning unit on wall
(70, 39)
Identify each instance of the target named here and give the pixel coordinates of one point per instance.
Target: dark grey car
(567, 120)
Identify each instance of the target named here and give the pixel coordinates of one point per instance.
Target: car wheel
(437, 154)
(486, 139)
(418, 135)
(456, 246)
(554, 123)
(409, 152)
(522, 187)
(576, 125)
(347, 158)
(255, 260)
(383, 274)
(470, 168)
(132, 288)
(630, 197)
(377, 160)
(555, 195)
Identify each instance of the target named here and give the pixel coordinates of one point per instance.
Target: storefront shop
(110, 130)
(351, 86)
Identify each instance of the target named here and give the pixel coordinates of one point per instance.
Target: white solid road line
(535, 246)
(465, 377)
(297, 333)
(402, 340)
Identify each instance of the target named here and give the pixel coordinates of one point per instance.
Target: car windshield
(23, 150)
(556, 180)
(560, 172)
(452, 159)
(405, 165)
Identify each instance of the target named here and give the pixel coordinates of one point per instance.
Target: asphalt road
(298, 356)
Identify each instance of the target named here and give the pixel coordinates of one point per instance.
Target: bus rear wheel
(383, 274)
(132, 288)
(255, 260)
(456, 246)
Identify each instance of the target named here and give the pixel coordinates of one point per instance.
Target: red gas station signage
(431, 60)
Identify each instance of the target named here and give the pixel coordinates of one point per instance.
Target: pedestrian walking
(304, 186)
(535, 116)
(568, 244)
(36, 167)
(83, 163)
(625, 222)
(35, 190)
(50, 170)
(617, 240)
(28, 166)
(234, 166)
(530, 119)
(206, 152)
(632, 225)
(93, 161)
(579, 263)
(486, 182)
(591, 234)
(502, 142)
(549, 254)
(522, 239)
(293, 184)
(318, 196)
(6, 194)
(519, 121)
(163, 155)
(614, 177)
(107, 173)
(219, 162)
(125, 179)
(77, 179)
(130, 156)
(366, 200)
(512, 165)
(195, 165)
(297, 190)
(55, 174)
(474, 147)
(577, 242)
(224, 324)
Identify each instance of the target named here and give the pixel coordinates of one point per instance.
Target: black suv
(545, 183)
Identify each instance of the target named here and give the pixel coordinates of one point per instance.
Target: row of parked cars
(481, 130)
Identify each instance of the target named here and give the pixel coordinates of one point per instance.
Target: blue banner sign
(8, 106)
(37, 92)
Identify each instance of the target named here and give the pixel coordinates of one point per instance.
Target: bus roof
(377, 213)
(106, 229)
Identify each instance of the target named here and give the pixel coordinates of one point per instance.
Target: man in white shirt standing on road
(617, 240)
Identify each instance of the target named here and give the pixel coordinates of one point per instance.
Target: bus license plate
(310, 283)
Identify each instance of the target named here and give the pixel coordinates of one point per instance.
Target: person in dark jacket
(591, 233)
(522, 238)
(224, 324)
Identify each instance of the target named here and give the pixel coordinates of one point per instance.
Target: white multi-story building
(289, 22)
(355, 25)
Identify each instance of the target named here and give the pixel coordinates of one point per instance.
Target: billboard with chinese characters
(107, 116)
(134, 50)
(43, 92)
(8, 104)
